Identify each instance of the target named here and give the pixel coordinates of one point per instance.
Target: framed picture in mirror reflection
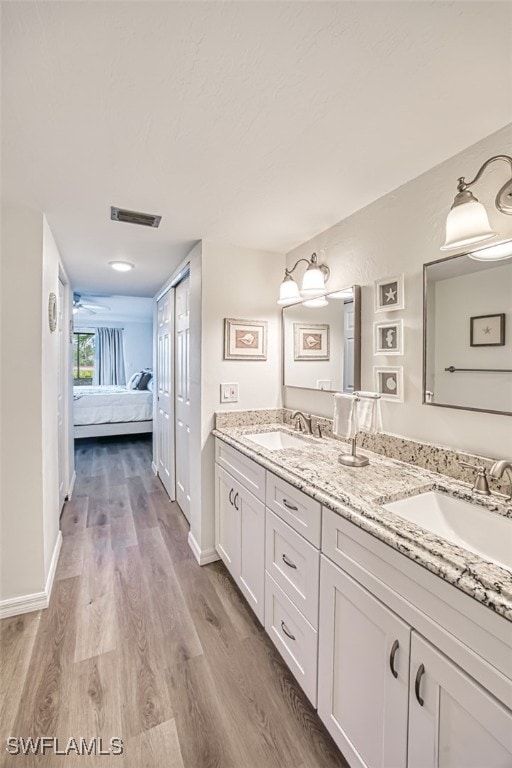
(311, 341)
(487, 330)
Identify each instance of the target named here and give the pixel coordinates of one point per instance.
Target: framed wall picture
(487, 330)
(389, 383)
(245, 339)
(389, 294)
(388, 338)
(311, 341)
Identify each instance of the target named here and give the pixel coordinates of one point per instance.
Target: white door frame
(67, 385)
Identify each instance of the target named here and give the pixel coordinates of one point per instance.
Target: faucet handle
(481, 485)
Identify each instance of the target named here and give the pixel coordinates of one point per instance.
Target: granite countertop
(358, 494)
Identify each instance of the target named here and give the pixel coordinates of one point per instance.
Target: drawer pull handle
(417, 683)
(287, 631)
(288, 562)
(231, 497)
(394, 649)
(234, 502)
(290, 506)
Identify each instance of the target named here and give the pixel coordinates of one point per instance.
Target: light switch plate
(229, 393)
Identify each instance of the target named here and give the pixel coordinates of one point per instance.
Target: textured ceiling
(257, 123)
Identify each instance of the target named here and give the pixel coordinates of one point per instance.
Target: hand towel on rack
(345, 416)
(369, 417)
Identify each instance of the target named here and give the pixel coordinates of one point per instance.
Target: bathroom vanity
(400, 638)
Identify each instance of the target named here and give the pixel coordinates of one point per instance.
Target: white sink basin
(460, 522)
(276, 441)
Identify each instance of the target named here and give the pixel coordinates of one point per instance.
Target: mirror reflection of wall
(321, 343)
(468, 327)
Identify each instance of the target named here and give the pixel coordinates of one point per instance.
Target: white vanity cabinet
(387, 695)
(363, 675)
(453, 721)
(292, 562)
(407, 671)
(240, 533)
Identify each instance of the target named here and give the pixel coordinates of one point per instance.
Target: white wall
(21, 488)
(137, 339)
(29, 505)
(458, 299)
(399, 233)
(239, 283)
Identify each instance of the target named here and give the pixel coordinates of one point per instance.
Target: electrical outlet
(229, 393)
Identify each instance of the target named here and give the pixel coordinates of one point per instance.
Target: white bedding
(111, 405)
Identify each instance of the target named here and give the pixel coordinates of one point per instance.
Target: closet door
(182, 377)
(164, 404)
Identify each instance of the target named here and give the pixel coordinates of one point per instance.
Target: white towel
(345, 416)
(369, 417)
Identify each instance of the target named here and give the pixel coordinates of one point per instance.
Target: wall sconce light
(468, 223)
(313, 282)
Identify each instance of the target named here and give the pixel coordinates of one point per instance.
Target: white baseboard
(37, 601)
(154, 468)
(53, 566)
(204, 556)
(24, 604)
(71, 486)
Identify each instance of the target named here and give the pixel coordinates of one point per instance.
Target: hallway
(142, 644)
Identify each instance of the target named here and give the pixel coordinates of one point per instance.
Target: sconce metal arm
(503, 198)
(289, 271)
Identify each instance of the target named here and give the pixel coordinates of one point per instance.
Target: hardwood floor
(142, 644)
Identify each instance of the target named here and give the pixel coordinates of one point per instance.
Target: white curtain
(109, 357)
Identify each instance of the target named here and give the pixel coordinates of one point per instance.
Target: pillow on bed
(150, 384)
(134, 380)
(144, 379)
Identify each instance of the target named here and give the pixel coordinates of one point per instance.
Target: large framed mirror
(467, 332)
(322, 344)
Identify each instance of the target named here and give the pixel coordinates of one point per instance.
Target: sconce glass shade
(288, 292)
(313, 282)
(467, 223)
(497, 252)
(321, 301)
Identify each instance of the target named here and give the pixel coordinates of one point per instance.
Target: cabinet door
(251, 577)
(227, 522)
(458, 725)
(363, 676)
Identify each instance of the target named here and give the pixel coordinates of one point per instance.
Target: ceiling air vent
(134, 217)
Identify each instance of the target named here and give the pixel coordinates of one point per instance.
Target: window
(83, 358)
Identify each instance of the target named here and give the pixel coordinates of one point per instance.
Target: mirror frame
(424, 373)
(356, 289)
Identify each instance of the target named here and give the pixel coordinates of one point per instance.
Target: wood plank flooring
(142, 644)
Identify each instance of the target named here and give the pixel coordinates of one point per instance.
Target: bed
(111, 410)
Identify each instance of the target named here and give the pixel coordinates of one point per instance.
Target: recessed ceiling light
(121, 266)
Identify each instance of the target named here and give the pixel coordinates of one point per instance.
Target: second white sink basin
(276, 441)
(469, 526)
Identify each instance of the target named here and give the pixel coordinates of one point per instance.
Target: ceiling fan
(87, 306)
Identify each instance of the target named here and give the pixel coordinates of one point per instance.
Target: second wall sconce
(313, 283)
(467, 222)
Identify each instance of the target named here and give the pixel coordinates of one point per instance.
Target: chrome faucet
(481, 485)
(302, 422)
(497, 471)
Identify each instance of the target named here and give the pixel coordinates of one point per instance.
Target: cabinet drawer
(301, 512)
(294, 564)
(293, 636)
(248, 473)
